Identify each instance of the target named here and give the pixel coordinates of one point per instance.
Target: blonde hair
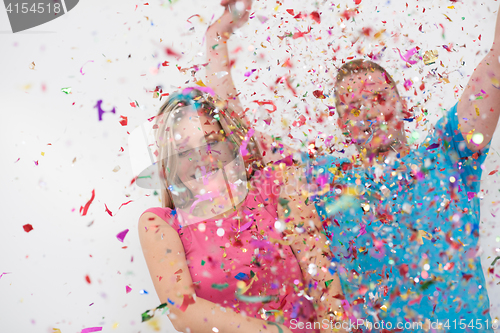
(232, 126)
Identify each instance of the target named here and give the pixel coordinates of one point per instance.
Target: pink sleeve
(166, 214)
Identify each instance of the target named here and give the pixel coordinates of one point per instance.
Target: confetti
(66, 90)
(81, 69)
(83, 210)
(188, 300)
(122, 235)
(220, 286)
(100, 111)
(123, 121)
(430, 57)
(27, 227)
(128, 289)
(91, 329)
(146, 316)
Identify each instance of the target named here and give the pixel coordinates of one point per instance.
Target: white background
(126, 41)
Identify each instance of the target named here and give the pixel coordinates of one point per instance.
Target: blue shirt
(406, 234)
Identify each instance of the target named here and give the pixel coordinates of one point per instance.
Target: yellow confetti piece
(383, 307)
(477, 110)
(56, 330)
(115, 325)
(430, 57)
(451, 7)
(43, 154)
(200, 83)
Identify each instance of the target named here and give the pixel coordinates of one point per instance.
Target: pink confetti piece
(122, 235)
(203, 197)
(91, 329)
(243, 147)
(204, 89)
(81, 69)
(4, 273)
(128, 289)
(408, 55)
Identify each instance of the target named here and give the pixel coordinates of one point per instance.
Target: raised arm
(218, 72)
(310, 245)
(479, 107)
(166, 260)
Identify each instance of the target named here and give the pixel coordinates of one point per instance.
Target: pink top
(216, 263)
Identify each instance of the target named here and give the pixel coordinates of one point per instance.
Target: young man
(405, 222)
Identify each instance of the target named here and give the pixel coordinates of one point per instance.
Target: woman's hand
(235, 15)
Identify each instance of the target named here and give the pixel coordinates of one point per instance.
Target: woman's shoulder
(166, 214)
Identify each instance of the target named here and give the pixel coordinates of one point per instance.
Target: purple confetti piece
(122, 235)
(471, 195)
(433, 146)
(247, 74)
(100, 111)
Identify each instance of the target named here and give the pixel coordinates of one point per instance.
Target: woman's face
(208, 165)
(371, 111)
(202, 149)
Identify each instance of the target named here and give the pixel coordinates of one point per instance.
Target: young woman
(228, 251)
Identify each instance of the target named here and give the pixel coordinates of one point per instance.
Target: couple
(394, 245)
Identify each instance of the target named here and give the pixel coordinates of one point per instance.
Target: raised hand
(236, 14)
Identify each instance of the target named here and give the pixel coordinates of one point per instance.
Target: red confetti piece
(126, 203)
(87, 278)
(190, 17)
(122, 235)
(290, 11)
(171, 52)
(165, 63)
(267, 103)
(299, 122)
(87, 205)
(315, 16)
(123, 121)
(188, 299)
(493, 172)
(108, 211)
(27, 227)
(133, 104)
(357, 2)
(318, 94)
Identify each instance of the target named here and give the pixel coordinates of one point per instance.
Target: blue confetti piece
(170, 301)
(242, 276)
(143, 292)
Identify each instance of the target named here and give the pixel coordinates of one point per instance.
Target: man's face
(370, 111)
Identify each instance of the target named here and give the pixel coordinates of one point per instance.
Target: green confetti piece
(278, 326)
(427, 284)
(203, 262)
(66, 90)
(327, 283)
(494, 261)
(213, 47)
(254, 299)
(220, 286)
